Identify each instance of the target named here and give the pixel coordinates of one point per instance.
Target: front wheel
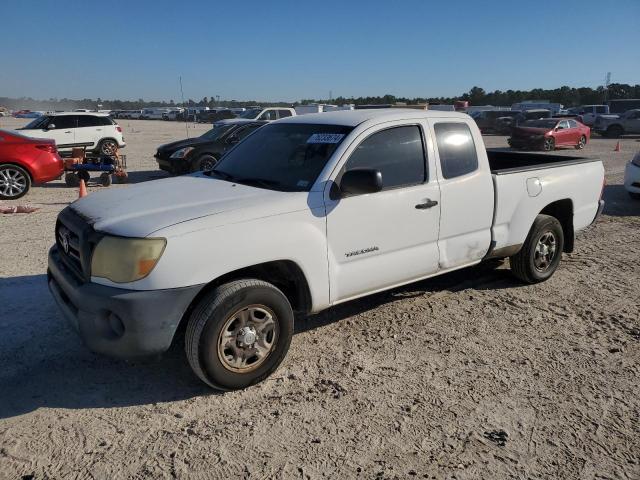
(541, 252)
(549, 144)
(581, 143)
(614, 131)
(14, 182)
(239, 334)
(204, 163)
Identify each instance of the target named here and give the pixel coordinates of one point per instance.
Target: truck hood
(142, 209)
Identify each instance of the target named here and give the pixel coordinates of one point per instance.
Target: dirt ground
(467, 376)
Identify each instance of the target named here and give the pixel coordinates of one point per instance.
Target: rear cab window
(456, 148)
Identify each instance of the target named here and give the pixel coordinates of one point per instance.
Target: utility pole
(607, 82)
(218, 100)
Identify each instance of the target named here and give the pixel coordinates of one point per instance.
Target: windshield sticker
(325, 138)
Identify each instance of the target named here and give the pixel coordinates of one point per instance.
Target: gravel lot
(470, 375)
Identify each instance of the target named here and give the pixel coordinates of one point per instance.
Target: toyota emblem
(64, 239)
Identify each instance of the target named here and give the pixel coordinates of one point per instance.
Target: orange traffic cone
(617, 149)
(83, 189)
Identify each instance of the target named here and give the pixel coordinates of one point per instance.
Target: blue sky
(288, 50)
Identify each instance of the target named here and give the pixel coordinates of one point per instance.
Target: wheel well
(563, 211)
(284, 274)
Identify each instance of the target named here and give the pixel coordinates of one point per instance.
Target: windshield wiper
(262, 182)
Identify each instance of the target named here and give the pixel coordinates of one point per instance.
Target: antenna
(186, 112)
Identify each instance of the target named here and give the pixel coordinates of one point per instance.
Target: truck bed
(508, 161)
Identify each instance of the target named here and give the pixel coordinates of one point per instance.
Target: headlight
(636, 160)
(124, 260)
(183, 152)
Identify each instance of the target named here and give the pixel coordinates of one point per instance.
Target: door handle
(68, 131)
(428, 203)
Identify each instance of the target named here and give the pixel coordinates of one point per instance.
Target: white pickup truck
(305, 213)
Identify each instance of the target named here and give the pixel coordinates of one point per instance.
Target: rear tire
(614, 131)
(239, 334)
(581, 143)
(15, 182)
(541, 252)
(108, 147)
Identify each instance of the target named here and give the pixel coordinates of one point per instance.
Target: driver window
(398, 154)
(63, 121)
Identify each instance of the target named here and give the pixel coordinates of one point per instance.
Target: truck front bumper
(117, 322)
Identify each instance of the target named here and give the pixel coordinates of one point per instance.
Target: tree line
(568, 96)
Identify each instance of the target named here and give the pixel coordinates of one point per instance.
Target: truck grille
(75, 240)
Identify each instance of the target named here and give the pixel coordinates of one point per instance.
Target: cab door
(564, 135)
(387, 238)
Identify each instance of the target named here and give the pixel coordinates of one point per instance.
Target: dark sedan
(202, 153)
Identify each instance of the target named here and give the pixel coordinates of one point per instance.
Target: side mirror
(360, 181)
(51, 126)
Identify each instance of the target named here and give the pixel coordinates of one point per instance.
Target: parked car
(172, 114)
(214, 115)
(267, 114)
(549, 134)
(95, 131)
(588, 113)
(28, 114)
(24, 162)
(504, 125)
(487, 120)
(203, 152)
(305, 213)
(614, 126)
(632, 177)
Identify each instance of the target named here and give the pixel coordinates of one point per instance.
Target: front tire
(203, 163)
(239, 334)
(15, 182)
(540, 255)
(549, 144)
(581, 143)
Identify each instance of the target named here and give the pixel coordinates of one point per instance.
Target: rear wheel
(541, 252)
(239, 334)
(581, 143)
(549, 144)
(614, 131)
(14, 182)
(108, 147)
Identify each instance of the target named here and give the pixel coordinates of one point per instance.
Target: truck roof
(351, 118)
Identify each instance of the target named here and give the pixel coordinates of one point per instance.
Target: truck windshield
(251, 114)
(286, 157)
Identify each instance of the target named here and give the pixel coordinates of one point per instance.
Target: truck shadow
(46, 366)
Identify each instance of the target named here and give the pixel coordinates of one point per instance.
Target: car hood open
(142, 209)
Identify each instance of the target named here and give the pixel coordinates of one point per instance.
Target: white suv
(95, 131)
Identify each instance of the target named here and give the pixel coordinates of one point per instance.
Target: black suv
(202, 153)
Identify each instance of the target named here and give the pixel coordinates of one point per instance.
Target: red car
(549, 133)
(25, 161)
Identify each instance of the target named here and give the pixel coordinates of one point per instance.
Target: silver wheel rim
(12, 182)
(108, 148)
(247, 338)
(548, 144)
(582, 142)
(545, 251)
